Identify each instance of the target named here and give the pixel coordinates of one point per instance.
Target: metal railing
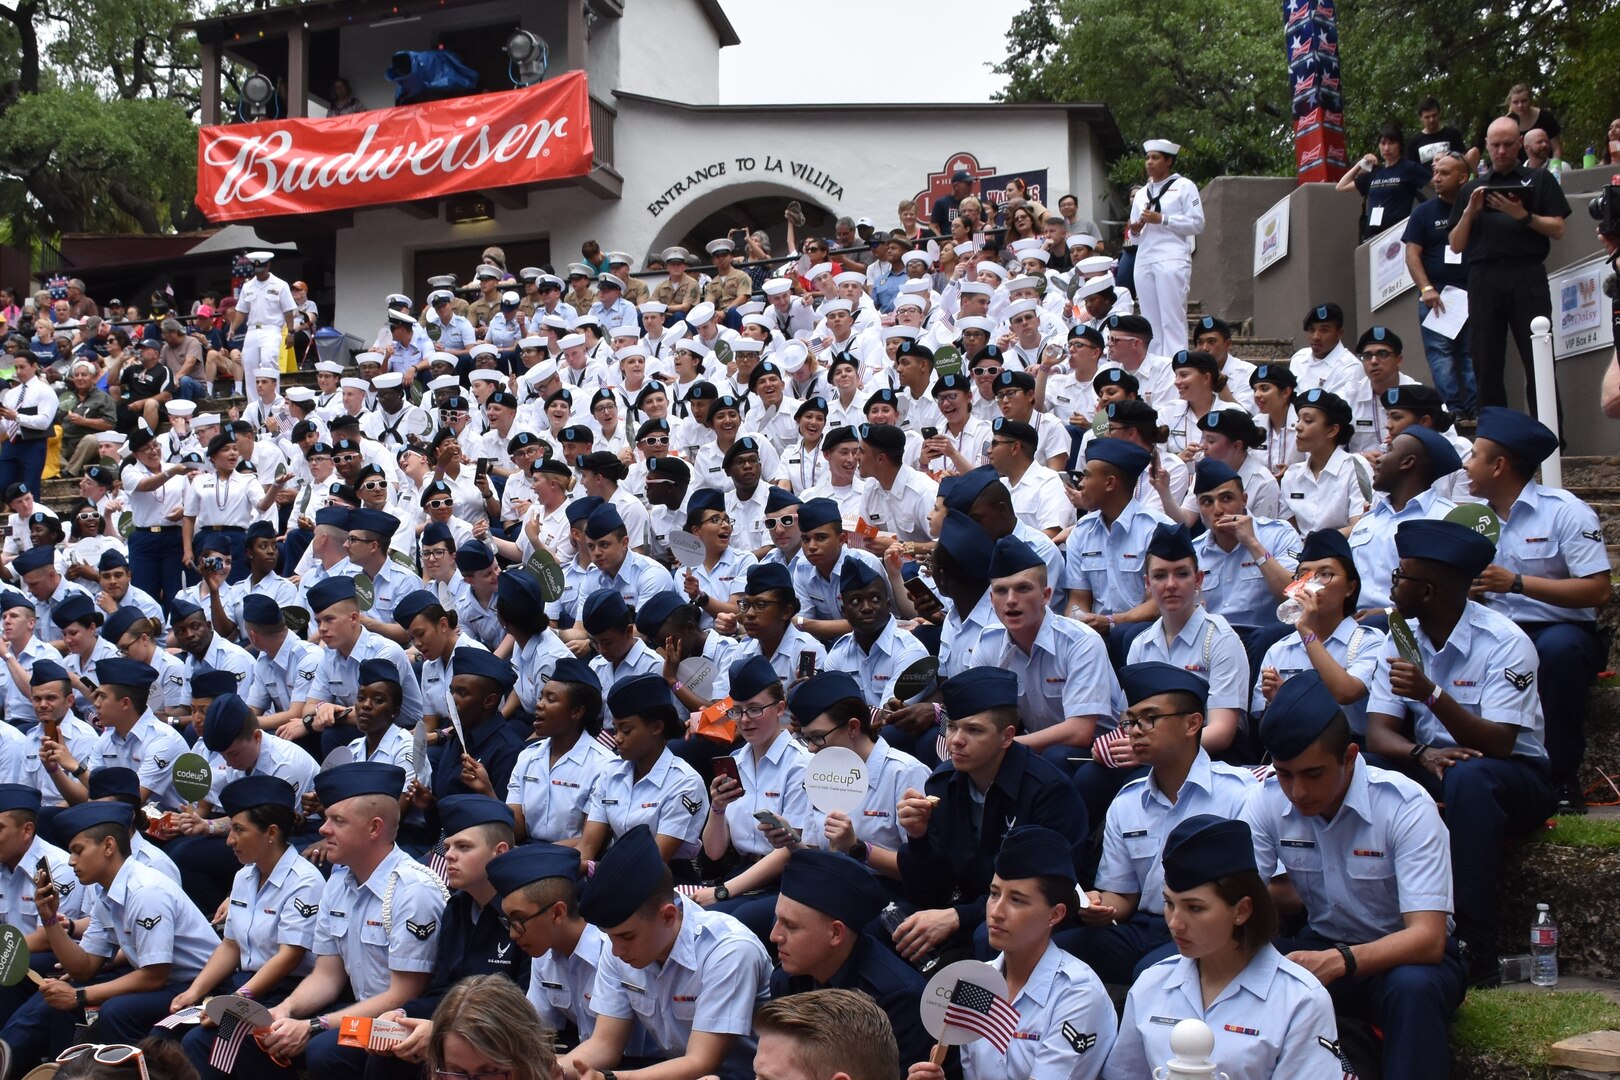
(602, 117)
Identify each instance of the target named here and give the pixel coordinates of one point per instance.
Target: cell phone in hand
(807, 665)
(918, 590)
(766, 817)
(483, 468)
(727, 767)
(42, 874)
(929, 432)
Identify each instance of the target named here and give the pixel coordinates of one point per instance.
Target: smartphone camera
(213, 564)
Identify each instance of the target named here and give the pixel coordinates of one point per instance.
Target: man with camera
(1506, 222)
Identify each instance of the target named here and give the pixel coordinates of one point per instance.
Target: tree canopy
(1212, 76)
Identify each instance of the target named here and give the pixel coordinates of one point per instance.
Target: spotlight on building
(527, 56)
(258, 94)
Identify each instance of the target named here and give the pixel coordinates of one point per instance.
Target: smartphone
(807, 663)
(929, 432)
(53, 731)
(766, 817)
(483, 468)
(42, 874)
(918, 590)
(725, 766)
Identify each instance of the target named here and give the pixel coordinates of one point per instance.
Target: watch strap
(1349, 959)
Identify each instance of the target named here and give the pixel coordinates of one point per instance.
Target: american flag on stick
(233, 1031)
(437, 863)
(975, 1009)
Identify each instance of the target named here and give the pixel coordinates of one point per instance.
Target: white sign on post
(1386, 265)
(1583, 317)
(1271, 235)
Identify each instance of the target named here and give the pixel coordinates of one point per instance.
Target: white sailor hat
(915, 285)
(700, 315)
(975, 288)
(653, 307)
(747, 345)
(1041, 255)
(837, 305)
(207, 419)
(910, 333)
(994, 267)
(299, 394)
(533, 341)
(1102, 283)
(720, 246)
(630, 331)
(976, 322)
(756, 319)
(851, 277)
(388, 380)
(483, 348)
(558, 321)
(631, 350)
(437, 357)
(753, 307)
(350, 383)
(588, 320)
(1017, 283)
(569, 341)
(368, 358)
(1081, 239)
(1163, 146)
(1026, 244)
(271, 373)
(776, 286)
(692, 345)
(790, 357)
(485, 375)
(1020, 307)
(445, 382)
(1095, 264)
(180, 407)
(541, 372)
(915, 300)
(111, 438)
(815, 270)
(331, 367)
(916, 255)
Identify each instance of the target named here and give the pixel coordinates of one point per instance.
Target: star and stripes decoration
(975, 1009)
(233, 1032)
(437, 863)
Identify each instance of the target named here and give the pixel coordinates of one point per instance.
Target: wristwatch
(1349, 959)
(317, 1024)
(860, 852)
(1418, 750)
(721, 892)
(79, 773)
(1518, 583)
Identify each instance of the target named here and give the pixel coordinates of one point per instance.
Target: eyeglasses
(1377, 354)
(720, 519)
(107, 1054)
(341, 458)
(1007, 395)
(1396, 576)
(785, 520)
(656, 440)
(514, 922)
(440, 504)
(434, 553)
(1003, 442)
(982, 371)
(360, 540)
(1133, 722)
(746, 605)
(374, 485)
(753, 712)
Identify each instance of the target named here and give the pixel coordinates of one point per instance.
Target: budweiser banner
(383, 156)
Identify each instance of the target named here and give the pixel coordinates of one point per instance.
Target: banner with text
(1583, 315)
(1386, 266)
(525, 136)
(1271, 235)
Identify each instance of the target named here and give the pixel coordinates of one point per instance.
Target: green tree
(96, 118)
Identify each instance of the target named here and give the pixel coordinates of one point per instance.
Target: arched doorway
(750, 205)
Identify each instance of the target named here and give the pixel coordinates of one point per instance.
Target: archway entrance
(760, 213)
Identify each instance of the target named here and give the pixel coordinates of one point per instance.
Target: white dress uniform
(903, 508)
(262, 916)
(1209, 648)
(555, 797)
(1282, 442)
(748, 531)
(1369, 415)
(1065, 674)
(1274, 1020)
(1330, 500)
(1357, 648)
(717, 974)
(337, 677)
(232, 500)
(390, 923)
(774, 782)
(1065, 1025)
(1384, 853)
(708, 464)
(803, 467)
(36, 404)
(17, 887)
(1337, 371)
(1488, 666)
(80, 739)
(394, 430)
(1107, 561)
(670, 800)
(264, 305)
(972, 442)
(1372, 540)
(284, 678)
(150, 749)
(1164, 256)
(1155, 376)
(1142, 816)
(876, 669)
(849, 498)
(1039, 499)
(1235, 584)
(818, 593)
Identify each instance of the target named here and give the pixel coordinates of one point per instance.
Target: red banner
(542, 132)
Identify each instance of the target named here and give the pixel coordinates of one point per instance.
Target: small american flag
(608, 739)
(190, 1015)
(973, 1008)
(233, 1031)
(436, 861)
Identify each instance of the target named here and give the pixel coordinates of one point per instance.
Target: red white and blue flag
(973, 1008)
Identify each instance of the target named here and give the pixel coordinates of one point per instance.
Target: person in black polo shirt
(146, 388)
(1505, 223)
(1435, 267)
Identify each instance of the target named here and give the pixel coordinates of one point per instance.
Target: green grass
(1519, 1026)
(1583, 832)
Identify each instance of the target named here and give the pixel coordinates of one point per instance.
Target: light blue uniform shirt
(80, 739)
(876, 669)
(1065, 1025)
(277, 757)
(888, 774)
(960, 638)
(389, 923)
(1234, 584)
(17, 887)
(153, 921)
(19, 706)
(536, 660)
(1372, 541)
(1488, 666)
(670, 800)
(1553, 534)
(1141, 817)
(1108, 561)
(264, 916)
(818, 594)
(560, 989)
(173, 687)
(640, 660)
(150, 749)
(1385, 854)
(436, 675)
(639, 579)
(284, 678)
(1066, 673)
(556, 797)
(724, 581)
(774, 782)
(1272, 1020)
(1209, 648)
(785, 660)
(73, 664)
(717, 974)
(1359, 649)
(222, 655)
(337, 677)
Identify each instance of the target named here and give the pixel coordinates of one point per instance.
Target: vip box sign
(836, 780)
(193, 779)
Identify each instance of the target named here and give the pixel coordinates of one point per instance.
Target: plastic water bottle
(1557, 168)
(1291, 609)
(1544, 948)
(1589, 159)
